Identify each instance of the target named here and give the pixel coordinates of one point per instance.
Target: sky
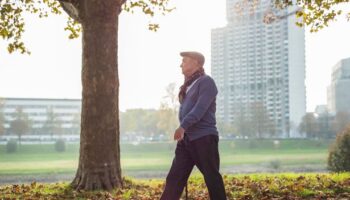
(148, 61)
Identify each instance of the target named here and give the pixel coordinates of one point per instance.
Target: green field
(156, 157)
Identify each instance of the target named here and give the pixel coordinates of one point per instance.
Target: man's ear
(196, 62)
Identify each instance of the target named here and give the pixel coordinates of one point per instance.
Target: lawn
(156, 157)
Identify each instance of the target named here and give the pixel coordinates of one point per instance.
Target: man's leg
(206, 155)
(179, 172)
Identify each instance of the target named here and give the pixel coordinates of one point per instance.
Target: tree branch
(121, 2)
(72, 8)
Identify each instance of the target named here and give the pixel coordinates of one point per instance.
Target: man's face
(189, 66)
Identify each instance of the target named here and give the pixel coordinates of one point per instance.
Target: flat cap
(194, 55)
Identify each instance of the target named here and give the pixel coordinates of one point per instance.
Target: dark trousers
(203, 153)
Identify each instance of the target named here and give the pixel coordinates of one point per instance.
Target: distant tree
(149, 125)
(2, 118)
(243, 123)
(341, 121)
(142, 121)
(261, 123)
(226, 129)
(167, 120)
(53, 124)
(309, 125)
(21, 123)
(167, 116)
(171, 98)
(325, 126)
(127, 123)
(76, 121)
(290, 126)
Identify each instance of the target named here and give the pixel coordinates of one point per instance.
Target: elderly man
(197, 137)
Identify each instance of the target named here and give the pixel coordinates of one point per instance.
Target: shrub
(339, 152)
(11, 146)
(60, 145)
(275, 164)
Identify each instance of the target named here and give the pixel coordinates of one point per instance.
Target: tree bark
(72, 8)
(99, 159)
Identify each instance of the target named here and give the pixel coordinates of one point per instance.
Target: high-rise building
(254, 63)
(338, 96)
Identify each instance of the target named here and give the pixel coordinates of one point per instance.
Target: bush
(11, 146)
(60, 145)
(339, 152)
(275, 164)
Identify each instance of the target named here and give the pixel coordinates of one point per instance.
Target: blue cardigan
(197, 111)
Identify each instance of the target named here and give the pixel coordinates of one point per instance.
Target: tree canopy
(21, 123)
(12, 16)
(316, 14)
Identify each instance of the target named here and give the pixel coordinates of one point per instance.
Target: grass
(239, 187)
(43, 159)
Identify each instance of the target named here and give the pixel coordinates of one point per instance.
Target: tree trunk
(99, 159)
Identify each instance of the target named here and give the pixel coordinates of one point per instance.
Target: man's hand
(179, 134)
